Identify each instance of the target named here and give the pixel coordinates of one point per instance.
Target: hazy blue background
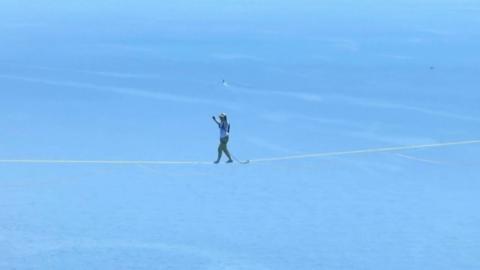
(141, 79)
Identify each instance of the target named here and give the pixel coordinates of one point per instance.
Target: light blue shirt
(224, 129)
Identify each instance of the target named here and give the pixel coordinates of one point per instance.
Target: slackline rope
(258, 160)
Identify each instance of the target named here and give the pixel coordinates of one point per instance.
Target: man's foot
(216, 161)
(229, 161)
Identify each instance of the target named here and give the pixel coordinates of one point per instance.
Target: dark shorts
(224, 140)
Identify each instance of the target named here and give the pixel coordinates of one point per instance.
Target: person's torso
(224, 129)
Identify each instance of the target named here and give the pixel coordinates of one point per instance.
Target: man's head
(223, 116)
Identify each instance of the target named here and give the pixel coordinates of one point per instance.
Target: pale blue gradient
(140, 80)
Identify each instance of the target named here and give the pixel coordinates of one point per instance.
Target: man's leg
(230, 160)
(225, 149)
(220, 149)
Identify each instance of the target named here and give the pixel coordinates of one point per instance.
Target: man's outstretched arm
(215, 119)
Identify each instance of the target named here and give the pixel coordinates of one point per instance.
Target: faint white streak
(468, 9)
(134, 48)
(116, 90)
(321, 57)
(216, 260)
(435, 32)
(399, 139)
(23, 25)
(120, 74)
(398, 57)
(344, 44)
(283, 117)
(366, 151)
(368, 102)
(310, 97)
(235, 57)
(415, 40)
(420, 159)
(92, 72)
(114, 74)
(276, 117)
